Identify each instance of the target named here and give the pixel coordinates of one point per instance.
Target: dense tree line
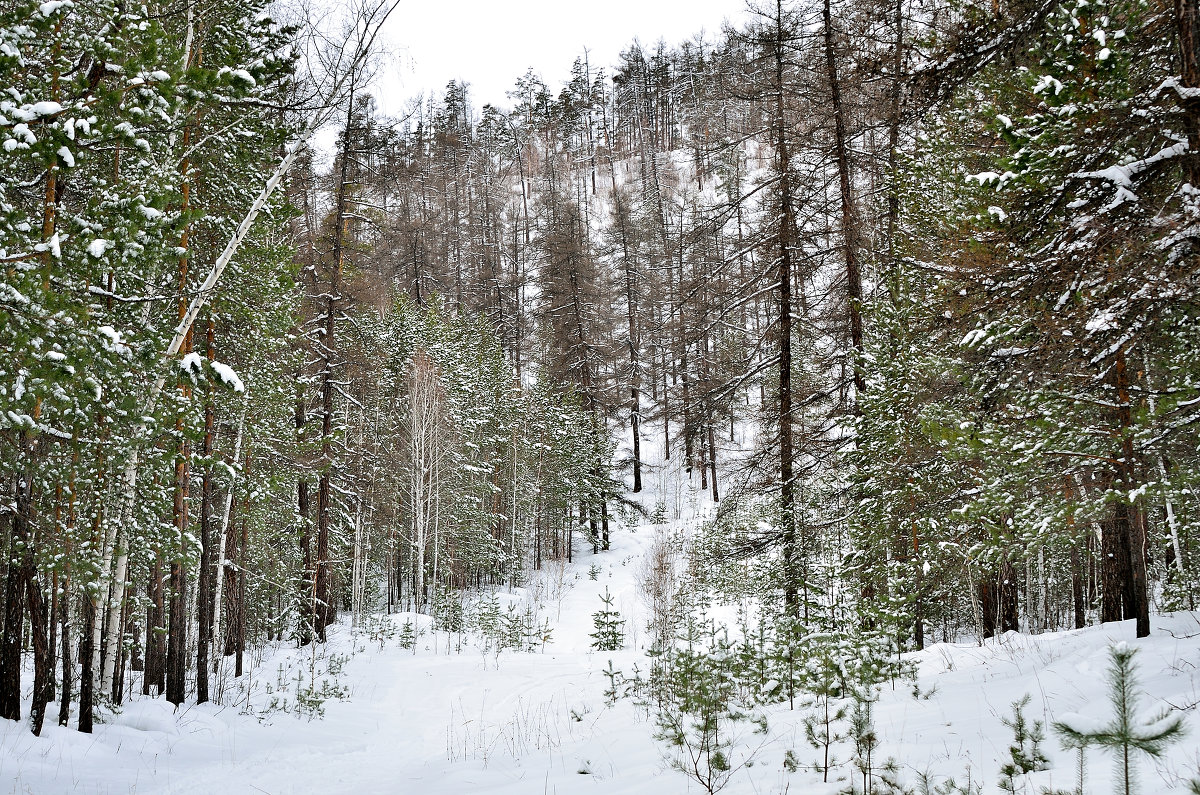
(934, 261)
(939, 255)
(221, 425)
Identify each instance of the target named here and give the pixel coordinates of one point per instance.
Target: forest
(907, 288)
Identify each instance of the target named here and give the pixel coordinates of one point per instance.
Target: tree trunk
(988, 606)
(1010, 615)
(324, 609)
(1187, 25)
(323, 599)
(128, 628)
(634, 338)
(14, 619)
(1126, 593)
(43, 659)
(229, 647)
(894, 118)
(204, 606)
(1113, 570)
(177, 635)
(222, 540)
(1077, 577)
(87, 673)
(850, 249)
(241, 613)
(64, 617)
(156, 652)
(786, 242)
(177, 604)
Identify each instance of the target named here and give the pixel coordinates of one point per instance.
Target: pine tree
(1024, 753)
(609, 634)
(1128, 732)
(696, 709)
(1068, 309)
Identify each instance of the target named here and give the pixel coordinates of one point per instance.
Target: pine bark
(14, 617)
(232, 602)
(177, 598)
(87, 673)
(64, 617)
(43, 660)
(1125, 591)
(629, 268)
(156, 650)
(1187, 25)
(324, 609)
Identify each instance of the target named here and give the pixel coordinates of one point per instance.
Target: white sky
(490, 43)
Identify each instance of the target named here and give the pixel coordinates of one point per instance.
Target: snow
(1082, 725)
(54, 6)
(973, 338)
(113, 342)
(435, 721)
(1183, 92)
(240, 74)
(98, 246)
(1102, 321)
(1122, 176)
(988, 177)
(46, 108)
(23, 132)
(1047, 81)
(12, 295)
(191, 363)
(452, 715)
(227, 376)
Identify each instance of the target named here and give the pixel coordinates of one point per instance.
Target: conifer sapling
(610, 627)
(1125, 733)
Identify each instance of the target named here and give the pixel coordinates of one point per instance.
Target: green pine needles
(1025, 751)
(696, 709)
(1126, 733)
(610, 627)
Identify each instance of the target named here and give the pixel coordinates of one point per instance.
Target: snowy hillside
(408, 709)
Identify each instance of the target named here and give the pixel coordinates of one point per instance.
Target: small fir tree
(1125, 733)
(1025, 751)
(697, 711)
(862, 732)
(610, 627)
(821, 727)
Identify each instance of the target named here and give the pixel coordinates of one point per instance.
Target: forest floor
(450, 716)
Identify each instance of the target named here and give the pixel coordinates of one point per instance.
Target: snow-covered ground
(451, 717)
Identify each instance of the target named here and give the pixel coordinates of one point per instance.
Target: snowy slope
(450, 716)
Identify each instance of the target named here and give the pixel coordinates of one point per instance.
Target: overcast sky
(490, 43)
